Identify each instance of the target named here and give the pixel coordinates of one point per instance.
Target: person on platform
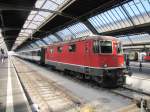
(140, 66)
(2, 55)
(127, 63)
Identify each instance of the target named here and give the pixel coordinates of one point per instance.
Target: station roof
(34, 23)
(11, 21)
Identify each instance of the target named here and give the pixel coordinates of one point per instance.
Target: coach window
(39, 53)
(59, 49)
(51, 50)
(34, 53)
(106, 46)
(72, 48)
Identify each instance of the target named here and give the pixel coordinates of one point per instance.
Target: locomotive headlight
(105, 65)
(123, 65)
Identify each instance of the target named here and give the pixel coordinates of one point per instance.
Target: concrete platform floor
(12, 98)
(140, 79)
(145, 73)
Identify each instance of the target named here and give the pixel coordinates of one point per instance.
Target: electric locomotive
(99, 58)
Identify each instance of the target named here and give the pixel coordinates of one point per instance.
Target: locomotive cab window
(72, 48)
(106, 46)
(102, 46)
(59, 49)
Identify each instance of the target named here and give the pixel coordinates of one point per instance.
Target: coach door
(87, 56)
(42, 54)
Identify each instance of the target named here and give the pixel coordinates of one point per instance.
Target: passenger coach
(147, 57)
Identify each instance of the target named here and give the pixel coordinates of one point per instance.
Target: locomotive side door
(87, 56)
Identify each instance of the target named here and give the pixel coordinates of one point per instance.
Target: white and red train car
(97, 57)
(147, 57)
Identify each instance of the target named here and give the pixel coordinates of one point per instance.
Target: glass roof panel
(138, 10)
(79, 30)
(23, 34)
(125, 40)
(34, 45)
(2, 43)
(32, 26)
(40, 43)
(47, 40)
(45, 14)
(50, 5)
(36, 23)
(52, 37)
(37, 18)
(28, 31)
(135, 39)
(33, 12)
(118, 17)
(110, 20)
(145, 4)
(30, 17)
(26, 24)
(65, 34)
(59, 1)
(39, 3)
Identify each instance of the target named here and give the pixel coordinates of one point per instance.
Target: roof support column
(90, 27)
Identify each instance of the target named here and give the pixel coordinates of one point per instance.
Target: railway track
(141, 99)
(49, 96)
(135, 95)
(130, 93)
(43, 88)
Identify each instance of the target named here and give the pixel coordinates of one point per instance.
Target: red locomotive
(147, 57)
(95, 57)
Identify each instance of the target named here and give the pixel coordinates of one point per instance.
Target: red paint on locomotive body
(84, 54)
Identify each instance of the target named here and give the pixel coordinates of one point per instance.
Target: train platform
(12, 97)
(144, 73)
(136, 64)
(140, 79)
